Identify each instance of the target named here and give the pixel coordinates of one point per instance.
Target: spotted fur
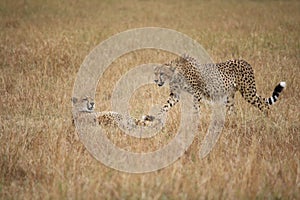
(86, 105)
(212, 82)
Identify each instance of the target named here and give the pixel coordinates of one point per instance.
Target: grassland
(42, 45)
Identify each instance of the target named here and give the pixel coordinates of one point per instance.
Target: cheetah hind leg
(260, 102)
(230, 104)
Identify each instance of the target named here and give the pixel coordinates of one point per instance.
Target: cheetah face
(162, 73)
(85, 104)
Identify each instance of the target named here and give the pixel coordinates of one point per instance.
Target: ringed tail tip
(282, 84)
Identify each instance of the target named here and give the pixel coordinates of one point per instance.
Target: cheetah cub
(84, 108)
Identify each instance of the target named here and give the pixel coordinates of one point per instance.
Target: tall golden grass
(42, 46)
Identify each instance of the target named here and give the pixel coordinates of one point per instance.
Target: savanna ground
(42, 45)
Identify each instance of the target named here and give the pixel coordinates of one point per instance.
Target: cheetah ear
(171, 68)
(74, 100)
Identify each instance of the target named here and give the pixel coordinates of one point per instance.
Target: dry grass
(42, 46)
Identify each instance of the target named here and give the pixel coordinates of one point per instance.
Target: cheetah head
(163, 73)
(85, 104)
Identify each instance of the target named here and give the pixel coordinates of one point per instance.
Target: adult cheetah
(212, 82)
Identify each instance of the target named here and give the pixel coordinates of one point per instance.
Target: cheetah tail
(278, 89)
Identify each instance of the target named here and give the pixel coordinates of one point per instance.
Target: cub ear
(74, 100)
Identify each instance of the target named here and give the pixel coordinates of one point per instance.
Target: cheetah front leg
(172, 101)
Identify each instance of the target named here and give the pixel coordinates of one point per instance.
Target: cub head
(85, 104)
(163, 73)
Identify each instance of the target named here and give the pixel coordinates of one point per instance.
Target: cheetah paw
(148, 118)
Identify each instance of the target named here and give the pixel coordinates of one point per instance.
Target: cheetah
(211, 82)
(84, 108)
